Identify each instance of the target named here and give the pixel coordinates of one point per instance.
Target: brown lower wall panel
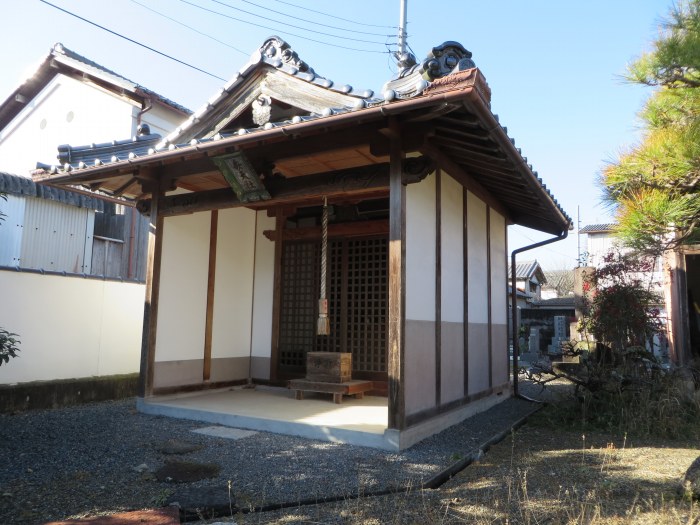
(66, 392)
(419, 365)
(229, 368)
(175, 373)
(420, 417)
(260, 367)
(452, 362)
(169, 374)
(499, 348)
(478, 357)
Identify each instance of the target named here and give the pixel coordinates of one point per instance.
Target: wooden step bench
(355, 388)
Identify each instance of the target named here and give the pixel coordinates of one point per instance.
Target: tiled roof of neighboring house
(16, 185)
(528, 269)
(63, 60)
(204, 131)
(556, 302)
(598, 228)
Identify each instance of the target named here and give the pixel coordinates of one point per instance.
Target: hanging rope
(323, 326)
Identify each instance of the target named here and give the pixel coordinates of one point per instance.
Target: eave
(450, 122)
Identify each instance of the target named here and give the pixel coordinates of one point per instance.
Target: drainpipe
(514, 305)
(145, 107)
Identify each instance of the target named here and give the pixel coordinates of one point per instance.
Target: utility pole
(402, 28)
(578, 235)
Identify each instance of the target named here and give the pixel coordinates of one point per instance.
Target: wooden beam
(397, 282)
(345, 230)
(464, 178)
(150, 309)
(211, 283)
(337, 185)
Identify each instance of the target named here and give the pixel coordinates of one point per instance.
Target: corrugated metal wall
(57, 237)
(119, 249)
(11, 230)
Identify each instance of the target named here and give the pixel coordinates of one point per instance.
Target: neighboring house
(529, 278)
(72, 263)
(600, 242)
(422, 181)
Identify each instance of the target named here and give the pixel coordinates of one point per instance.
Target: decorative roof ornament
(274, 48)
(262, 109)
(445, 59)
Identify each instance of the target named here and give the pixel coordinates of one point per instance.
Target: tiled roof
(598, 228)
(16, 185)
(275, 55)
(556, 302)
(526, 269)
(60, 59)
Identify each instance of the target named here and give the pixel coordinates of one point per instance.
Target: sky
(555, 67)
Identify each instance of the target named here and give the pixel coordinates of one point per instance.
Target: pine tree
(655, 185)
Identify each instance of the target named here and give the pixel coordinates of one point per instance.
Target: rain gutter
(514, 304)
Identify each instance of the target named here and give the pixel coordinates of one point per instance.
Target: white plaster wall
(452, 252)
(160, 119)
(420, 295)
(499, 299)
(66, 111)
(70, 327)
(420, 250)
(233, 291)
(183, 287)
(452, 290)
(499, 269)
(264, 287)
(477, 260)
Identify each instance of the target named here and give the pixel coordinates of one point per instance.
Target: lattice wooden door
(357, 295)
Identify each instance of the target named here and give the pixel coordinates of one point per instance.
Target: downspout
(514, 305)
(147, 106)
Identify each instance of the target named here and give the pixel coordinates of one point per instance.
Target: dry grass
(539, 475)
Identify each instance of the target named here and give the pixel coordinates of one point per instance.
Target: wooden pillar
(280, 219)
(489, 291)
(150, 308)
(465, 293)
(397, 281)
(438, 287)
(211, 282)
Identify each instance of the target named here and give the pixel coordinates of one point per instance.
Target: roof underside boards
(448, 120)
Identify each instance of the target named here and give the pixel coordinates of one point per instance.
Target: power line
(334, 16)
(314, 22)
(133, 41)
(275, 29)
(190, 28)
(292, 25)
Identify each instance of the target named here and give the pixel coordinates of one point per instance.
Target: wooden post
(397, 280)
(438, 287)
(280, 219)
(465, 297)
(150, 308)
(209, 323)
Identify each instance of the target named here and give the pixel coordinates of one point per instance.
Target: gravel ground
(83, 460)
